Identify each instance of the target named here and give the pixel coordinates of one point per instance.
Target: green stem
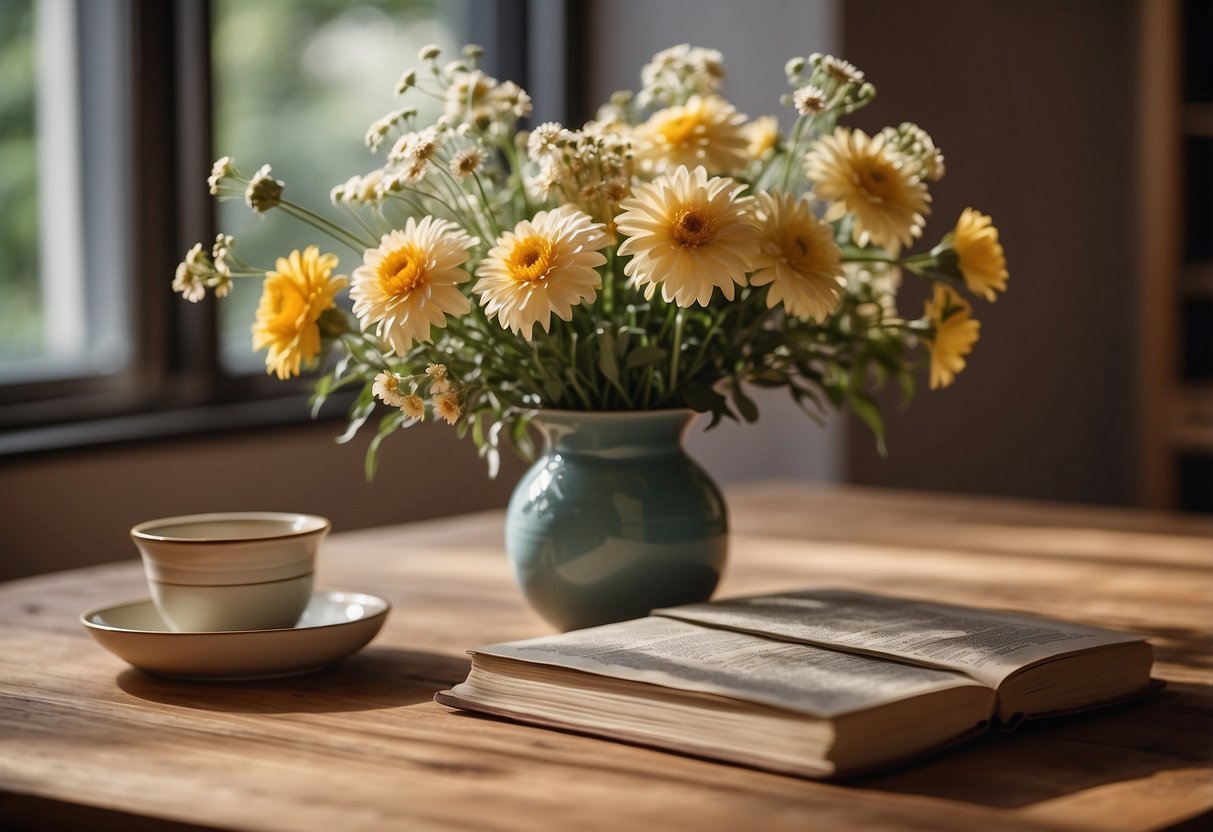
(676, 353)
(325, 226)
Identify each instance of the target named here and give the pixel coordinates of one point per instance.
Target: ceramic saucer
(334, 625)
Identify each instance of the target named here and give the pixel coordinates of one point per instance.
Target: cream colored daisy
(439, 383)
(690, 234)
(293, 298)
(955, 333)
(413, 407)
(982, 260)
(809, 100)
(409, 284)
(706, 131)
(545, 266)
(865, 178)
(844, 72)
(387, 389)
(798, 257)
(468, 161)
(448, 407)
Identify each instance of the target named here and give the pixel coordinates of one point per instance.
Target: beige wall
(1032, 104)
(74, 508)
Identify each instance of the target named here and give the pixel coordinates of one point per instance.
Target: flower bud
(264, 191)
(407, 81)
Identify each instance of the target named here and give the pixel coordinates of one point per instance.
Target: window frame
(174, 384)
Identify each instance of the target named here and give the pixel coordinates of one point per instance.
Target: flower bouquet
(666, 257)
(667, 254)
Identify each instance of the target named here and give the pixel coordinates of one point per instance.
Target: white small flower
(447, 406)
(387, 389)
(376, 133)
(545, 140)
(467, 161)
(191, 273)
(413, 407)
(222, 169)
(514, 99)
(472, 51)
(842, 71)
(428, 52)
(439, 383)
(794, 67)
(407, 81)
(264, 191)
(809, 100)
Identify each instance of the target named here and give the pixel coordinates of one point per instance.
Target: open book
(818, 683)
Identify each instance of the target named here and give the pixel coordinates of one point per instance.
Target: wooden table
(88, 743)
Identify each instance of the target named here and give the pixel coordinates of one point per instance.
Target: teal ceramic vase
(615, 519)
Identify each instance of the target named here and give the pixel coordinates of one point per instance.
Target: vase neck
(615, 435)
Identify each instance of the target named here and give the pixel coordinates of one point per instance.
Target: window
(111, 112)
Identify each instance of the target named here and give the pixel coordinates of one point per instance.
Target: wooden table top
(87, 742)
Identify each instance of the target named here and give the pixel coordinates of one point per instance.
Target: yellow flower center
(875, 180)
(680, 130)
(403, 270)
(797, 248)
(530, 259)
(693, 227)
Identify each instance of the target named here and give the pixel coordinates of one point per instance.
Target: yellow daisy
(545, 265)
(866, 178)
(690, 234)
(982, 260)
(955, 334)
(798, 257)
(707, 131)
(410, 282)
(292, 300)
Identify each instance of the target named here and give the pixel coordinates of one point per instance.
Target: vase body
(615, 519)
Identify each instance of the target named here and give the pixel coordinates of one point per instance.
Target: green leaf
(607, 364)
(553, 391)
(866, 409)
(520, 436)
(745, 405)
(644, 356)
(909, 386)
(700, 397)
(360, 411)
(387, 425)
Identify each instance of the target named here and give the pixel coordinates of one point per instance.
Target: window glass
(62, 313)
(296, 84)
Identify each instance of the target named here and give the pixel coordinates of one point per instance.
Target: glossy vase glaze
(615, 519)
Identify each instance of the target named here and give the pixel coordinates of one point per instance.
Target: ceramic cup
(230, 571)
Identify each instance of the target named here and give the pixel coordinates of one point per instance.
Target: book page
(987, 645)
(676, 654)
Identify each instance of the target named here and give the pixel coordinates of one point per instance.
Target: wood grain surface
(87, 742)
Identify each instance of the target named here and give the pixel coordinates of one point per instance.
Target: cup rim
(316, 525)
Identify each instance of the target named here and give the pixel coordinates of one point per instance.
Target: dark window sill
(168, 424)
